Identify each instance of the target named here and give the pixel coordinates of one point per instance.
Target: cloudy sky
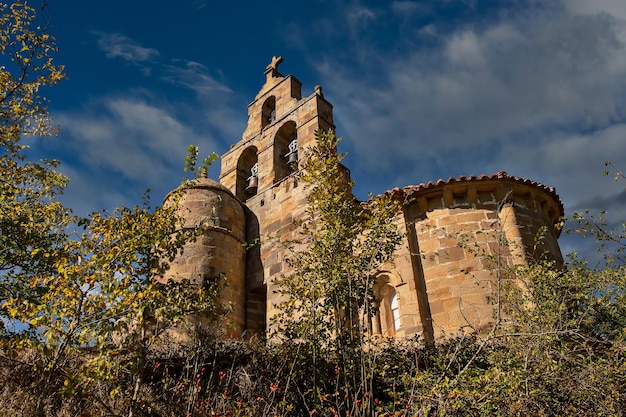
(421, 90)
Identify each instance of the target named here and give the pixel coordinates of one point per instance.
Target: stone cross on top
(272, 68)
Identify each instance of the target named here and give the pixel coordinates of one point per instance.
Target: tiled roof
(501, 175)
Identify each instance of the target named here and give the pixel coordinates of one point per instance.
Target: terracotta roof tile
(500, 175)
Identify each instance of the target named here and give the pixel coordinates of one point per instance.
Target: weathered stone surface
(219, 250)
(442, 275)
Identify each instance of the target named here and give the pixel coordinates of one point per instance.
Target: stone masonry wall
(280, 207)
(453, 243)
(443, 274)
(219, 250)
(272, 208)
(464, 231)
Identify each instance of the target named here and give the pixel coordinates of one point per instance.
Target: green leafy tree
(191, 162)
(29, 217)
(81, 304)
(95, 318)
(329, 297)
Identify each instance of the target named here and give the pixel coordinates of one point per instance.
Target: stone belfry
(258, 171)
(442, 278)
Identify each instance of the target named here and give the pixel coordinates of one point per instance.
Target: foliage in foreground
(79, 305)
(512, 374)
(81, 319)
(336, 259)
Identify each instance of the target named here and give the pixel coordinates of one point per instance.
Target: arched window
(268, 112)
(395, 309)
(387, 322)
(284, 164)
(247, 173)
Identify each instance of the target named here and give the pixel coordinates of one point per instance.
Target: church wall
(278, 201)
(404, 278)
(279, 208)
(457, 277)
(461, 230)
(443, 273)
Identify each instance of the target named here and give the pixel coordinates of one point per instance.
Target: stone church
(436, 285)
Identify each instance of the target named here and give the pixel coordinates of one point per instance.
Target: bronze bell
(253, 182)
(292, 158)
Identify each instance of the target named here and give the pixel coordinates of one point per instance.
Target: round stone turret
(217, 253)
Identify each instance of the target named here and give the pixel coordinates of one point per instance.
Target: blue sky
(421, 90)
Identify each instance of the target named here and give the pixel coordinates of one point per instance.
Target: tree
(28, 188)
(329, 297)
(80, 307)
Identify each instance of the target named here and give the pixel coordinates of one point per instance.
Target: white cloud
(193, 76)
(116, 45)
(464, 53)
(183, 73)
(538, 93)
(573, 162)
(360, 16)
(94, 190)
(509, 80)
(359, 19)
(199, 4)
(616, 8)
(115, 147)
(429, 30)
(407, 8)
(141, 141)
(141, 138)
